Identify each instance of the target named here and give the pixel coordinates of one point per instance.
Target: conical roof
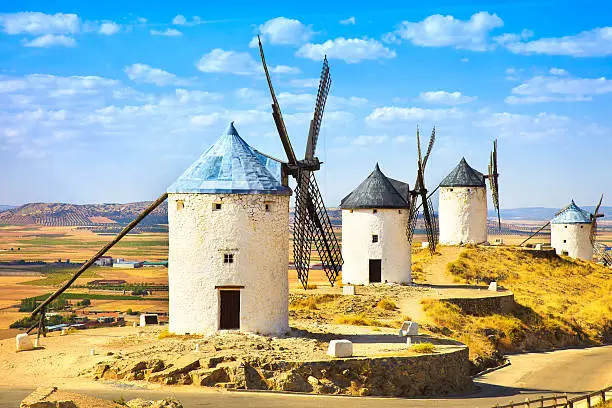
(377, 191)
(231, 166)
(463, 176)
(572, 215)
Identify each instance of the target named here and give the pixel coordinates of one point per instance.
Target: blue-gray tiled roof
(231, 166)
(378, 191)
(573, 215)
(463, 176)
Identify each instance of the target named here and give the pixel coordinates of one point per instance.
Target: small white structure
(340, 348)
(348, 290)
(148, 318)
(127, 264)
(228, 218)
(104, 261)
(375, 247)
(570, 233)
(463, 206)
(24, 342)
(493, 286)
(409, 329)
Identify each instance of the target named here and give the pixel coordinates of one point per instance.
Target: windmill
(312, 225)
(493, 177)
(420, 191)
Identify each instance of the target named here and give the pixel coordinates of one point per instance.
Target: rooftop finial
(231, 130)
(376, 168)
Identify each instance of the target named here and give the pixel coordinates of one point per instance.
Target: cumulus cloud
(169, 32)
(36, 23)
(596, 42)
(285, 69)
(445, 98)
(351, 50)
(51, 40)
(283, 31)
(109, 28)
(147, 74)
(368, 140)
(233, 62)
(540, 125)
(389, 114)
(182, 21)
(349, 21)
(559, 87)
(447, 31)
(305, 83)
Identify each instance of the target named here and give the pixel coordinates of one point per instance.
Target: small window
(216, 206)
(268, 207)
(180, 204)
(451, 189)
(351, 211)
(374, 211)
(565, 226)
(565, 241)
(374, 238)
(469, 189)
(228, 258)
(582, 226)
(399, 211)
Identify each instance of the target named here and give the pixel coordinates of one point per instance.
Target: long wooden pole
(101, 252)
(534, 234)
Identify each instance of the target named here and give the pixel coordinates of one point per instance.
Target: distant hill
(6, 207)
(60, 214)
(540, 213)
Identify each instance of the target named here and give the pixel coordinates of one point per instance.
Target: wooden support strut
(101, 252)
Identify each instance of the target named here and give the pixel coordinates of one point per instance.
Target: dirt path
(435, 270)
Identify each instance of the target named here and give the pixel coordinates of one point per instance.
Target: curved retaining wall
(486, 305)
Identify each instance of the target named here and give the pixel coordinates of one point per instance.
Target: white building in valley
(570, 233)
(375, 246)
(228, 218)
(462, 207)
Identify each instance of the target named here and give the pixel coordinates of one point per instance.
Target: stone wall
(486, 305)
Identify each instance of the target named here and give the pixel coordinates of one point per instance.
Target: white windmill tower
(463, 203)
(573, 231)
(228, 216)
(375, 246)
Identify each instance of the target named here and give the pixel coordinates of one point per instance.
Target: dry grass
(423, 348)
(358, 320)
(311, 302)
(386, 304)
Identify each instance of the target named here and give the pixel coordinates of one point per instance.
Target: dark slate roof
(377, 191)
(231, 166)
(573, 215)
(463, 176)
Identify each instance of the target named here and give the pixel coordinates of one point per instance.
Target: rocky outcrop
(51, 397)
(486, 305)
(406, 376)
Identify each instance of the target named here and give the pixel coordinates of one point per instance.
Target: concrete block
(148, 318)
(348, 290)
(493, 286)
(23, 342)
(425, 244)
(340, 348)
(409, 329)
(538, 247)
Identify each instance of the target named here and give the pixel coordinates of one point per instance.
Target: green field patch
(57, 276)
(141, 243)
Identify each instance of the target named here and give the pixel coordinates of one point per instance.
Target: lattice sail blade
(302, 235)
(432, 140)
(317, 119)
(321, 231)
(594, 222)
(430, 223)
(412, 218)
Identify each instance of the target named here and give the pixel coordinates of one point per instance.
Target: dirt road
(532, 374)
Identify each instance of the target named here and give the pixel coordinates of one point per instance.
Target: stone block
(493, 286)
(340, 348)
(538, 247)
(425, 244)
(148, 318)
(409, 329)
(24, 342)
(348, 290)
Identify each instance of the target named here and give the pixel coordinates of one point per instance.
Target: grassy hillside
(561, 302)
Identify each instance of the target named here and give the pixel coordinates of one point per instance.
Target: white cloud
(285, 69)
(169, 32)
(596, 42)
(559, 87)
(36, 23)
(541, 125)
(305, 83)
(349, 21)
(206, 120)
(51, 40)
(465, 59)
(368, 140)
(447, 31)
(390, 114)
(446, 98)
(109, 28)
(283, 31)
(508, 38)
(182, 21)
(148, 74)
(351, 50)
(233, 62)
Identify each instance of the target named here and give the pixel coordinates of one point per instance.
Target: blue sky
(111, 101)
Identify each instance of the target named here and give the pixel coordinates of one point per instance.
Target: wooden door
(375, 270)
(230, 310)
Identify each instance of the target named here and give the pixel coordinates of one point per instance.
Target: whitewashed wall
(259, 240)
(393, 247)
(462, 215)
(577, 239)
